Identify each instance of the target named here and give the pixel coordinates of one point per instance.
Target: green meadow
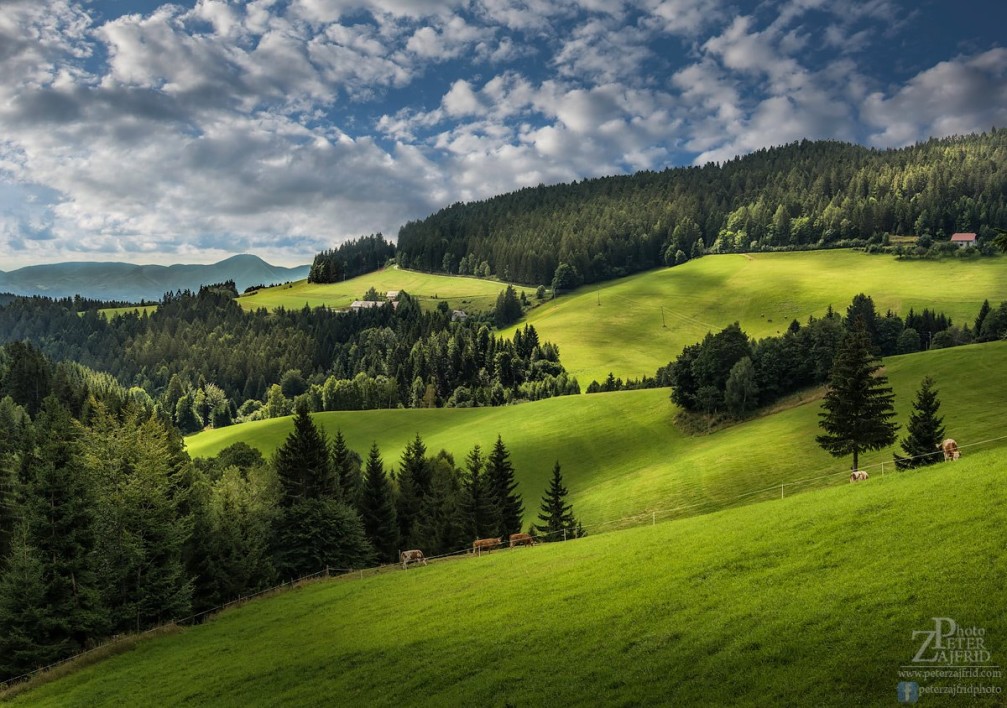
(810, 600)
(634, 325)
(622, 454)
(461, 293)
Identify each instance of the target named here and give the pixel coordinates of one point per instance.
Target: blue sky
(186, 132)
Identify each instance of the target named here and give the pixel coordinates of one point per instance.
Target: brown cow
(858, 476)
(413, 556)
(488, 543)
(521, 539)
(951, 451)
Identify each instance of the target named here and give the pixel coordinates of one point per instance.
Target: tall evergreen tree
(414, 485)
(377, 509)
(59, 528)
(858, 402)
(482, 515)
(441, 526)
(925, 430)
(303, 465)
(346, 470)
(503, 486)
(556, 515)
(23, 610)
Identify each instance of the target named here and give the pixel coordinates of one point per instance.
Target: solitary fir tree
(556, 515)
(377, 508)
(503, 486)
(858, 402)
(925, 430)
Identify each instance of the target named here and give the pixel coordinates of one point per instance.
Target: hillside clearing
(619, 326)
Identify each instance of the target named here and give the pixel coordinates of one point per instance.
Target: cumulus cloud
(958, 96)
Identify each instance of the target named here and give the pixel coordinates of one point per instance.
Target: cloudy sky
(139, 131)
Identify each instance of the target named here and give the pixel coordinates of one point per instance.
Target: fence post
(882, 469)
(781, 491)
(564, 534)
(653, 518)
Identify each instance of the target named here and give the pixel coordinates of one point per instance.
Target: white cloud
(953, 97)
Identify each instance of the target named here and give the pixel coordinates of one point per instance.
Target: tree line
(729, 373)
(803, 195)
(107, 526)
(206, 361)
(350, 259)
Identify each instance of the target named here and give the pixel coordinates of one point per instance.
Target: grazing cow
(858, 476)
(488, 543)
(413, 556)
(521, 539)
(951, 451)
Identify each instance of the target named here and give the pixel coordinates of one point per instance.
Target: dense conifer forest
(205, 361)
(803, 195)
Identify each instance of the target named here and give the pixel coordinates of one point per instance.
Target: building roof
(357, 304)
(963, 238)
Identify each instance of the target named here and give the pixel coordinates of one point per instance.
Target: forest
(107, 526)
(804, 195)
(204, 360)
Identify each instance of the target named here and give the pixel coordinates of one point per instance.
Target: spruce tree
(377, 509)
(858, 402)
(556, 515)
(414, 485)
(303, 465)
(500, 472)
(482, 515)
(441, 526)
(925, 430)
(23, 610)
(346, 470)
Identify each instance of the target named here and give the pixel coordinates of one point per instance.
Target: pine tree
(556, 515)
(925, 430)
(482, 515)
(441, 526)
(303, 465)
(377, 509)
(858, 402)
(500, 472)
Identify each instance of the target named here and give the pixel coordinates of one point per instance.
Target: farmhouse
(459, 316)
(392, 295)
(964, 239)
(364, 304)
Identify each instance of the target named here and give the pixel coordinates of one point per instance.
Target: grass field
(470, 294)
(624, 334)
(811, 600)
(111, 312)
(621, 454)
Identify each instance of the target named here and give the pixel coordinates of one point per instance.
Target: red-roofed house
(963, 240)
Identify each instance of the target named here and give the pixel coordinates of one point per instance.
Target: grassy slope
(621, 455)
(764, 291)
(807, 601)
(471, 294)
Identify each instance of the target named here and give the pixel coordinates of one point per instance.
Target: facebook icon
(909, 692)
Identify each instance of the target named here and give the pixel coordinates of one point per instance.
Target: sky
(147, 132)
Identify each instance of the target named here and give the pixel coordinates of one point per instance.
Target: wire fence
(649, 516)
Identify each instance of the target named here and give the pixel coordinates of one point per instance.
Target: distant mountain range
(125, 281)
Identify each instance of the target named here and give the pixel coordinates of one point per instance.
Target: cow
(950, 449)
(488, 543)
(521, 539)
(858, 476)
(413, 556)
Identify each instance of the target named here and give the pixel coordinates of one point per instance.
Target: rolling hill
(128, 282)
(622, 455)
(808, 600)
(618, 326)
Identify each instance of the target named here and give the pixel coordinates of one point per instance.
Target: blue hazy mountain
(125, 281)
